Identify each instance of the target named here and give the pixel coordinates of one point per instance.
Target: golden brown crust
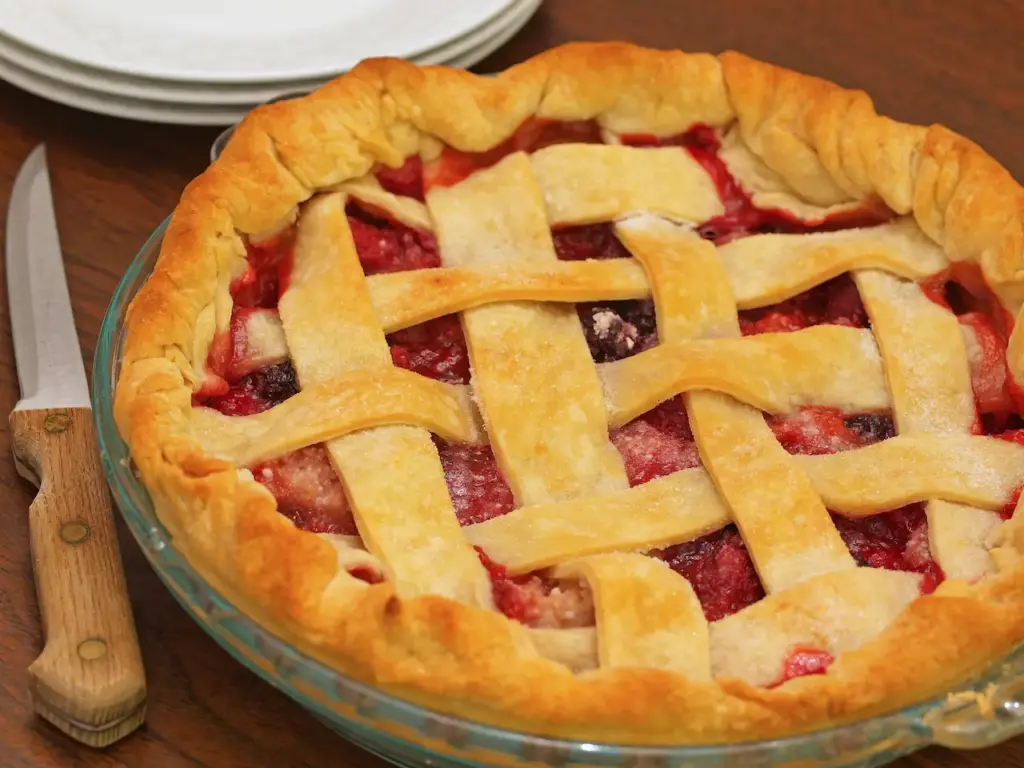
(826, 142)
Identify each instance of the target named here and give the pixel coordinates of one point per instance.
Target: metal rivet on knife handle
(56, 423)
(74, 532)
(92, 649)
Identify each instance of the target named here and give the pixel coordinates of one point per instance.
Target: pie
(628, 395)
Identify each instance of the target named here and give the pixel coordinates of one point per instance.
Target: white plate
(200, 114)
(223, 95)
(238, 40)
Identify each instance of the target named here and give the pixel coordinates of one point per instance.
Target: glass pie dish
(981, 714)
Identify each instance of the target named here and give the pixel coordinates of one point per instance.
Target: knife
(88, 681)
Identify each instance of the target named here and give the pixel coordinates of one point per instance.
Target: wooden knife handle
(89, 680)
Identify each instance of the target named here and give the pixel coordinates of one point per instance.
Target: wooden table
(950, 61)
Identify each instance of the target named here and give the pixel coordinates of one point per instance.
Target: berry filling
(720, 570)
(618, 329)
(476, 485)
(741, 217)
(257, 391)
(802, 662)
(986, 327)
(657, 443)
(1011, 506)
(406, 180)
(817, 429)
(268, 267)
(589, 241)
(308, 491)
(259, 287)
(896, 541)
(453, 165)
(836, 302)
(366, 573)
(436, 349)
(614, 329)
(538, 601)
(386, 245)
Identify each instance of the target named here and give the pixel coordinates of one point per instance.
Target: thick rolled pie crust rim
(467, 661)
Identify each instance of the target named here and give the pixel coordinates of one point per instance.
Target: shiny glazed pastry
(629, 395)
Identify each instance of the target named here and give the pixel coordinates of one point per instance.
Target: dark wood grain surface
(955, 62)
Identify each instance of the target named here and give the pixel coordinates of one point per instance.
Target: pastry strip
(924, 354)
(767, 269)
(585, 183)
(677, 507)
(403, 299)
(983, 471)
(354, 401)
(762, 270)
(775, 372)
(369, 195)
(647, 615)
(684, 505)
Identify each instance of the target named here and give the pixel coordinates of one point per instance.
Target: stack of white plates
(208, 62)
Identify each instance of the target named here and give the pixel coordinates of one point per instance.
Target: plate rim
(38, 39)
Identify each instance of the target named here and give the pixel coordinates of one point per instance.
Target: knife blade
(89, 679)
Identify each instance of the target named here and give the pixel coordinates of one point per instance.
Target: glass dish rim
(123, 484)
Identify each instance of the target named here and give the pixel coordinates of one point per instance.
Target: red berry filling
(720, 570)
(454, 165)
(268, 268)
(589, 241)
(436, 349)
(836, 302)
(308, 491)
(896, 541)
(259, 287)
(657, 443)
(256, 392)
(367, 574)
(476, 485)
(614, 329)
(406, 180)
(962, 289)
(538, 601)
(618, 329)
(817, 429)
(987, 325)
(1011, 506)
(990, 378)
(802, 662)
(385, 245)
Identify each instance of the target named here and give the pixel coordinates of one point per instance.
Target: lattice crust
(652, 669)
(537, 386)
(776, 372)
(329, 321)
(783, 521)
